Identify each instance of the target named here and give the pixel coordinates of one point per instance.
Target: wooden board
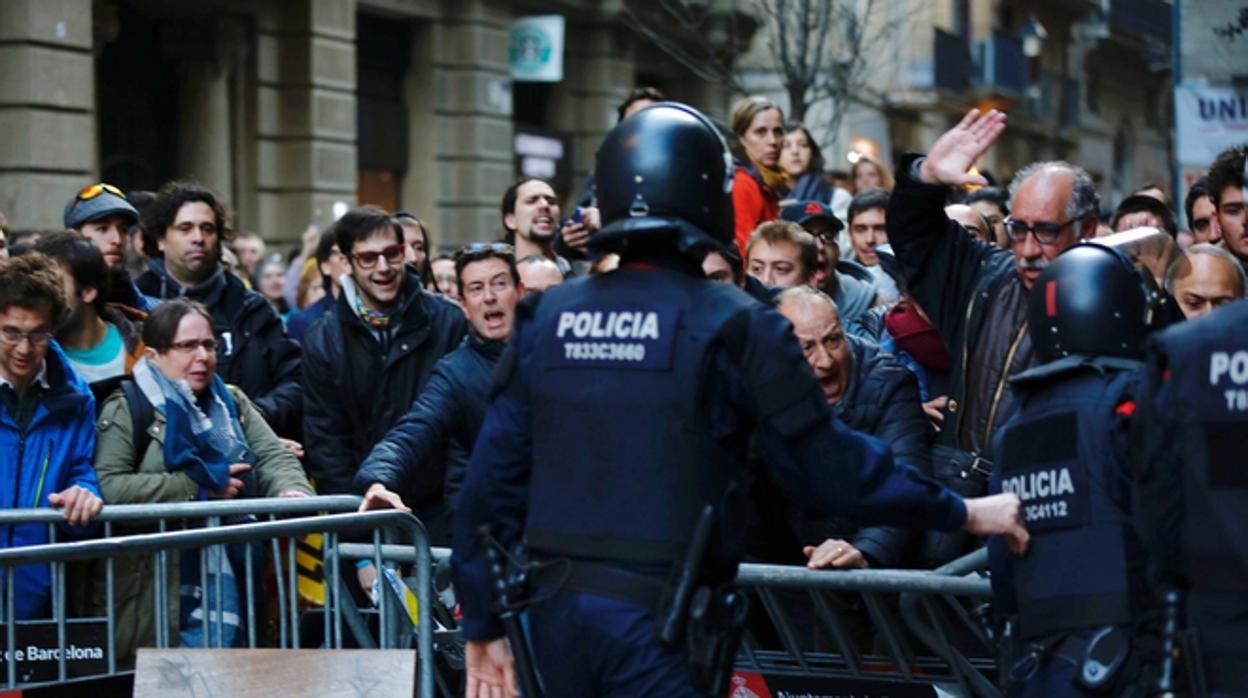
(202, 673)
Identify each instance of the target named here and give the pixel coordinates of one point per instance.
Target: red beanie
(916, 336)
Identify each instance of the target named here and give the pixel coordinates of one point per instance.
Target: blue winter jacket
(52, 455)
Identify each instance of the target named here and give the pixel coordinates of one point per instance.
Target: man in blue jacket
(452, 405)
(47, 420)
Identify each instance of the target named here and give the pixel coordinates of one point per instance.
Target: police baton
(686, 583)
(506, 603)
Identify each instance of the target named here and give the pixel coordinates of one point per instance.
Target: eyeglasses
(13, 337)
(483, 249)
(189, 346)
(93, 190)
(1046, 233)
(367, 260)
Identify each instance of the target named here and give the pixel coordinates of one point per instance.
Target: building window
(1093, 96)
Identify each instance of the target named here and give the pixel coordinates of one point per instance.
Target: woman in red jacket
(758, 183)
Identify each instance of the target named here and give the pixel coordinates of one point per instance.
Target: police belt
(563, 574)
(1072, 649)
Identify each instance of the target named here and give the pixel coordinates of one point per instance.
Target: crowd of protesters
(148, 353)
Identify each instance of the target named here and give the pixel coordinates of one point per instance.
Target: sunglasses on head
(477, 248)
(93, 190)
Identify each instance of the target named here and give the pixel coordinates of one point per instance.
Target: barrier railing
(163, 542)
(936, 609)
(842, 627)
(826, 627)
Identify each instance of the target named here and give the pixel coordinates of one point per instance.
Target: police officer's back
(1079, 590)
(1193, 485)
(624, 409)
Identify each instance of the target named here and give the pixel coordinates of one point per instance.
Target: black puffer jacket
(452, 406)
(882, 399)
(357, 386)
(257, 355)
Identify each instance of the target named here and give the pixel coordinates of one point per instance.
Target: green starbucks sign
(535, 48)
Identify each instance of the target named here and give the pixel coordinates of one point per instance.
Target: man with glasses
(977, 294)
(849, 283)
(103, 215)
(188, 223)
(370, 356)
(47, 422)
(452, 405)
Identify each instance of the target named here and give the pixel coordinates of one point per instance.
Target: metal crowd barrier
(337, 610)
(826, 628)
(938, 640)
(842, 628)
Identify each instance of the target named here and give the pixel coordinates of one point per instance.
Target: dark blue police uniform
(626, 409)
(1079, 595)
(1193, 482)
(1065, 455)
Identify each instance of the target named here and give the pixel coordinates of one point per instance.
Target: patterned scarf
(203, 444)
(374, 318)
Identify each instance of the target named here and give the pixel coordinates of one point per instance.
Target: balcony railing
(1055, 99)
(1146, 18)
(951, 62)
(1000, 64)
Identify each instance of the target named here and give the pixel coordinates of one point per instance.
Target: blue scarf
(201, 444)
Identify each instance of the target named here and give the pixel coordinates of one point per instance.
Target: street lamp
(1034, 34)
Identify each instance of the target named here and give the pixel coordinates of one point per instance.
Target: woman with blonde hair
(758, 182)
(868, 173)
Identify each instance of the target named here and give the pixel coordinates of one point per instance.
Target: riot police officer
(1079, 590)
(622, 415)
(1193, 490)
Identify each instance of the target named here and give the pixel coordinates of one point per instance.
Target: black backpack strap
(142, 414)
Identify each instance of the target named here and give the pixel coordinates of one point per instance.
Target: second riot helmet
(1094, 300)
(665, 168)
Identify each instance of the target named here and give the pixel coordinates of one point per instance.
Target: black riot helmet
(1094, 300)
(664, 169)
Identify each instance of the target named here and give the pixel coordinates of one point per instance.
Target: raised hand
(958, 148)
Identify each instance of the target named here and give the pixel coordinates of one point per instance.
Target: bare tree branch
(818, 49)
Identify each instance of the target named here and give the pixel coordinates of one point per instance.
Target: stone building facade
(292, 109)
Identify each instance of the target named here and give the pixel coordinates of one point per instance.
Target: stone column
(208, 54)
(305, 114)
(47, 108)
(471, 98)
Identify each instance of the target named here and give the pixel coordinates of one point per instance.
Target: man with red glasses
(976, 294)
(368, 358)
(104, 216)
